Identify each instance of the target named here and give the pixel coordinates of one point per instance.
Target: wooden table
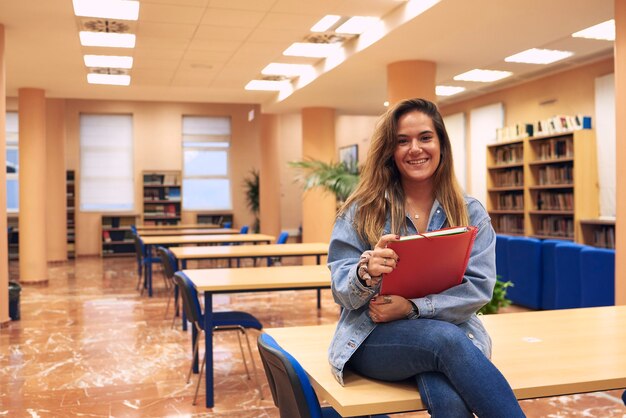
(544, 353)
(167, 240)
(316, 249)
(187, 231)
(248, 279)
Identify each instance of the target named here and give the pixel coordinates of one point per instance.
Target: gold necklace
(412, 210)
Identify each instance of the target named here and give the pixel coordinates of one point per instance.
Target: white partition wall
(455, 125)
(483, 124)
(605, 140)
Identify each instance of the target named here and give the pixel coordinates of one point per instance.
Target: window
(206, 181)
(12, 161)
(106, 163)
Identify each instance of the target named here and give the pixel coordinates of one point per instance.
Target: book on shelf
(152, 179)
(429, 263)
(170, 179)
(173, 193)
(106, 236)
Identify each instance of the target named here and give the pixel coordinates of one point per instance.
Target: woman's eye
(402, 141)
(427, 138)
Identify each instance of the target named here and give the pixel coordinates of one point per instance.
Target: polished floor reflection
(88, 344)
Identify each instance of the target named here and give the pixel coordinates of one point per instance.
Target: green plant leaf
(336, 178)
(499, 299)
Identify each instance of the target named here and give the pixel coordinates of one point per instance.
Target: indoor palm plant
(336, 178)
(251, 187)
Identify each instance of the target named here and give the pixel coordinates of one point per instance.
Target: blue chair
(223, 321)
(169, 268)
(142, 260)
(502, 256)
(597, 277)
(567, 274)
(525, 271)
(548, 298)
(289, 384)
(282, 239)
(227, 224)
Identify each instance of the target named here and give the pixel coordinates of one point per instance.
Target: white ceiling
(208, 50)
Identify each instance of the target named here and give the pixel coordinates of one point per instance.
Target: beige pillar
(32, 224)
(4, 247)
(269, 181)
(411, 79)
(318, 142)
(620, 140)
(56, 201)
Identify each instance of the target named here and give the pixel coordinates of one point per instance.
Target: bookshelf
(214, 218)
(505, 186)
(161, 198)
(71, 207)
(598, 232)
(544, 186)
(562, 184)
(13, 236)
(117, 237)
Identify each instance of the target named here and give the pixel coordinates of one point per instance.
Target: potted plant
(251, 187)
(336, 178)
(499, 299)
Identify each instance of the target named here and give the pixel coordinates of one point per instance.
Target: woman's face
(418, 150)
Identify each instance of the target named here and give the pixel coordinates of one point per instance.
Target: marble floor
(88, 344)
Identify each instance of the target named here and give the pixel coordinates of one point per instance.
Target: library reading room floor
(88, 344)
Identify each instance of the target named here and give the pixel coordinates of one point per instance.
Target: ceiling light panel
(325, 23)
(358, 24)
(288, 70)
(483, 76)
(110, 61)
(107, 9)
(603, 31)
(539, 56)
(312, 50)
(115, 40)
(110, 79)
(448, 90)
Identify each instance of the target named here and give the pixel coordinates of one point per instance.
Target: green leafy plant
(499, 299)
(251, 186)
(336, 178)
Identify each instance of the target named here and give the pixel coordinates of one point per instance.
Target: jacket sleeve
(343, 258)
(460, 302)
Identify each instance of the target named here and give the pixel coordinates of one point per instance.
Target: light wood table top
(207, 239)
(544, 353)
(240, 251)
(178, 226)
(187, 231)
(259, 278)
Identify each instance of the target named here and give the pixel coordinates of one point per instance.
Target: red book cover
(429, 263)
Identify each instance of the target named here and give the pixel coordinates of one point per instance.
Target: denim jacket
(457, 305)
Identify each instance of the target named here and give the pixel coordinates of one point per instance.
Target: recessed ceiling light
(110, 61)
(539, 56)
(357, 25)
(289, 70)
(448, 90)
(112, 79)
(107, 9)
(268, 85)
(603, 31)
(116, 40)
(325, 23)
(311, 50)
(483, 76)
(386, 103)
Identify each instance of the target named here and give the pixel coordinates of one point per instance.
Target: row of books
(509, 178)
(161, 210)
(555, 201)
(555, 149)
(508, 224)
(169, 193)
(160, 179)
(118, 221)
(554, 125)
(555, 174)
(604, 237)
(557, 226)
(510, 201)
(509, 154)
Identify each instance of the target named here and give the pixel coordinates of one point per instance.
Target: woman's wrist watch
(414, 313)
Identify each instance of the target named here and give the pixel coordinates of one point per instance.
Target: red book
(429, 263)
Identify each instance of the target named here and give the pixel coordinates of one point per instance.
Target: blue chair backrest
(502, 256)
(597, 277)
(548, 299)
(133, 229)
(289, 384)
(244, 229)
(168, 260)
(525, 271)
(191, 304)
(227, 225)
(282, 238)
(567, 274)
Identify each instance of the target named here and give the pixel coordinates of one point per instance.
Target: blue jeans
(453, 376)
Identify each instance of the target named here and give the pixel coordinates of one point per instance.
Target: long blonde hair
(380, 189)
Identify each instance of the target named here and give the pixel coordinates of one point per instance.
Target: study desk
(177, 226)
(316, 249)
(168, 240)
(187, 231)
(248, 279)
(543, 353)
